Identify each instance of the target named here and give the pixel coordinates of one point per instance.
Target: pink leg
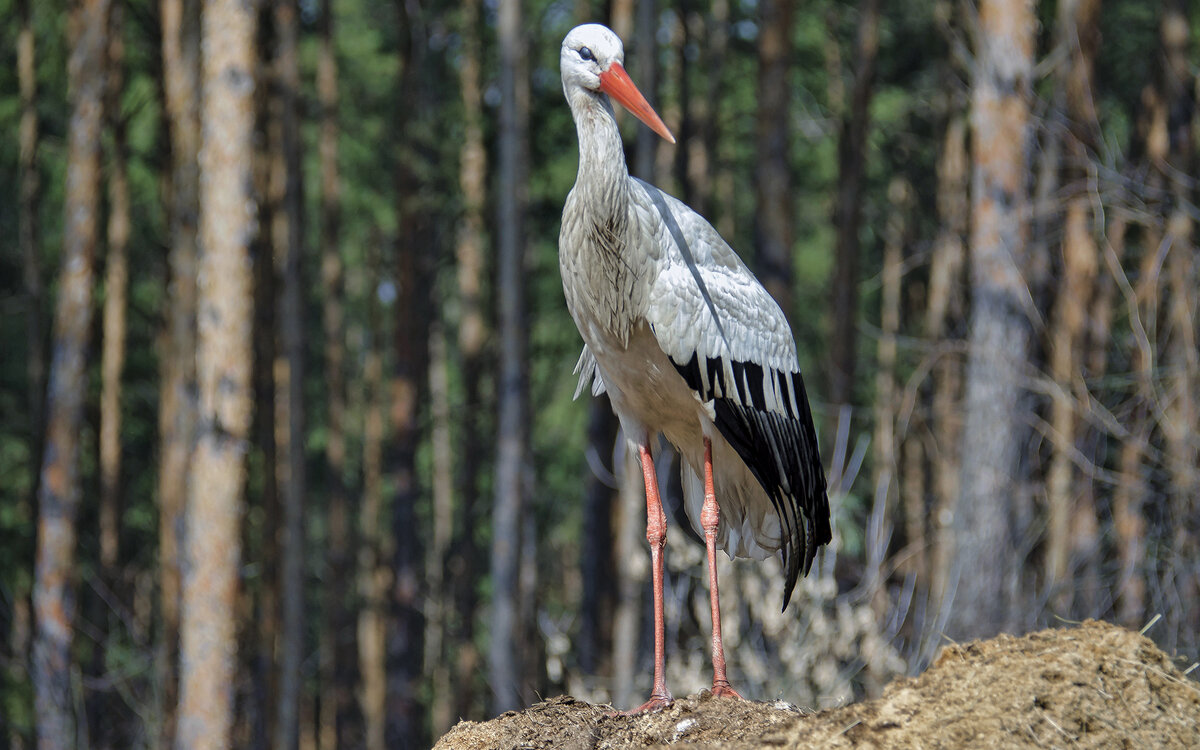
(710, 517)
(656, 534)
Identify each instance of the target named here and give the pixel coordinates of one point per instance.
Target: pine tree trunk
(702, 150)
(596, 560)
(224, 362)
(336, 721)
(1128, 522)
(1180, 355)
(372, 570)
(646, 69)
(946, 280)
(265, 549)
(466, 561)
(505, 654)
(60, 485)
(177, 392)
(405, 726)
(993, 433)
(106, 727)
(887, 395)
(27, 218)
(847, 217)
(116, 285)
(773, 205)
(1072, 534)
(288, 236)
(632, 574)
(439, 603)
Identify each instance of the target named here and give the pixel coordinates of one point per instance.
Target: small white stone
(683, 728)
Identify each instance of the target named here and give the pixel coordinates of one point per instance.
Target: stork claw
(654, 705)
(724, 690)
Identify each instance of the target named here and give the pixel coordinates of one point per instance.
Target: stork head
(592, 58)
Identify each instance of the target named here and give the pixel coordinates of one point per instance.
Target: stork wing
(589, 374)
(731, 343)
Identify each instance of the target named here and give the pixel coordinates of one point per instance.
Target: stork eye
(586, 54)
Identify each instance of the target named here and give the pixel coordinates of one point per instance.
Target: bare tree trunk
(646, 141)
(224, 361)
(116, 285)
(504, 657)
(1072, 527)
(945, 307)
(709, 29)
(288, 236)
(1128, 522)
(372, 570)
(35, 327)
(337, 645)
(59, 488)
(596, 560)
(847, 216)
(620, 17)
(405, 726)
(106, 728)
(438, 601)
(270, 183)
(30, 181)
(678, 110)
(773, 205)
(702, 150)
(887, 395)
(999, 335)
(632, 574)
(177, 399)
(466, 562)
(1181, 410)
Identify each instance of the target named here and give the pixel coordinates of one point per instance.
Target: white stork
(688, 344)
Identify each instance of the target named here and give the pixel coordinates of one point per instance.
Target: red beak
(616, 83)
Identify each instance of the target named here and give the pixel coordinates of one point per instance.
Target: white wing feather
(752, 328)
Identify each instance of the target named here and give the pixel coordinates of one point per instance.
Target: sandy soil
(1092, 686)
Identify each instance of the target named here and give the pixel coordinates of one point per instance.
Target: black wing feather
(780, 449)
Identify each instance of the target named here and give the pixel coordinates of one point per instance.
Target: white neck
(602, 170)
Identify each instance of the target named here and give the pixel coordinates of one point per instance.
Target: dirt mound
(1093, 686)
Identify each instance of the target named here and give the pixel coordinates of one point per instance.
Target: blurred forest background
(283, 331)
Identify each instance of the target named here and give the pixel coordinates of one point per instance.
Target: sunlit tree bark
(177, 390)
(225, 315)
(946, 307)
(59, 489)
(1072, 527)
(116, 285)
(993, 433)
(106, 726)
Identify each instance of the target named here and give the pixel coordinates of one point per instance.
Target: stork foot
(655, 704)
(723, 689)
